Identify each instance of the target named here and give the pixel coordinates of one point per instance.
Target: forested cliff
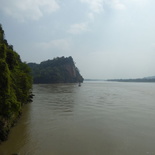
(15, 85)
(58, 70)
(16, 81)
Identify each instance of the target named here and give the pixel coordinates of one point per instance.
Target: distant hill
(94, 80)
(149, 77)
(145, 79)
(58, 70)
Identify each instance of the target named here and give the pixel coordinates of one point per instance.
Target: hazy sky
(106, 38)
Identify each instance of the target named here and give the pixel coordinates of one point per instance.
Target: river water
(98, 118)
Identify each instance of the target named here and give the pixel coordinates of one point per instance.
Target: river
(98, 118)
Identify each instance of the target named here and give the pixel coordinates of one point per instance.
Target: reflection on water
(94, 119)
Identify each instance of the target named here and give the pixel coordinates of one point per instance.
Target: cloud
(28, 9)
(99, 6)
(141, 3)
(118, 5)
(138, 1)
(91, 16)
(95, 5)
(78, 28)
(60, 44)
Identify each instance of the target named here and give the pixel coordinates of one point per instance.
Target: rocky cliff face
(58, 70)
(71, 70)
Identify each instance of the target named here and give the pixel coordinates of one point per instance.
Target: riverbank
(15, 86)
(7, 124)
(5, 127)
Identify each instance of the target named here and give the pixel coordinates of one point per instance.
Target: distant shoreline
(124, 80)
(132, 80)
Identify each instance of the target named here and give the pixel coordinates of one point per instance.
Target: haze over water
(97, 118)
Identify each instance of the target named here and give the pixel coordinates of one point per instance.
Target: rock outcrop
(58, 70)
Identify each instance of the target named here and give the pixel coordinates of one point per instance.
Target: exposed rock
(58, 70)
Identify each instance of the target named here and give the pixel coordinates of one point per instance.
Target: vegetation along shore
(15, 86)
(17, 77)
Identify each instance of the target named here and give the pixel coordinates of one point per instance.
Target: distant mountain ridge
(58, 70)
(149, 77)
(145, 79)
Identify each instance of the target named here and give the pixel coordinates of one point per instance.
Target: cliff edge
(15, 86)
(58, 70)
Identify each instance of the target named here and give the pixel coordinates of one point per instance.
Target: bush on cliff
(58, 70)
(15, 85)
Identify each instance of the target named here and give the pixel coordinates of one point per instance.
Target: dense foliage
(58, 70)
(15, 85)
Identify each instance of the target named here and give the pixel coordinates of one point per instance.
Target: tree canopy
(58, 70)
(15, 85)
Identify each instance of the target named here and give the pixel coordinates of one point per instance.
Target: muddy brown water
(98, 118)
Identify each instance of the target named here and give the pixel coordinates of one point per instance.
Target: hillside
(145, 79)
(15, 86)
(58, 70)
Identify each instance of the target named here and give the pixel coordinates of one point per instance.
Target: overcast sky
(106, 38)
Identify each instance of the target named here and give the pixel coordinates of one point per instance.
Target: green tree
(15, 85)
(58, 70)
